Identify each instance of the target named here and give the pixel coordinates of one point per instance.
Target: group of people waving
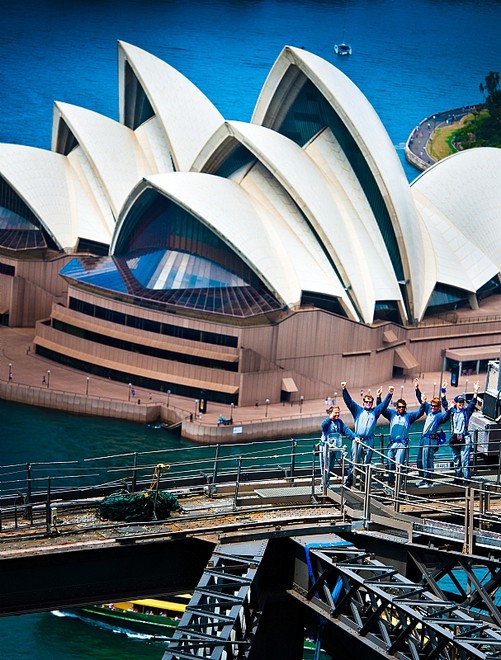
(437, 411)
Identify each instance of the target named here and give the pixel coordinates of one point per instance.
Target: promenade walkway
(416, 148)
(37, 373)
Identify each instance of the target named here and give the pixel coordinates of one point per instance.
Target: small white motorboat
(342, 49)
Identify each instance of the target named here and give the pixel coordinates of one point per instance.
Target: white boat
(342, 49)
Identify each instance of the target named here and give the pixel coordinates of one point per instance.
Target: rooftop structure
(235, 261)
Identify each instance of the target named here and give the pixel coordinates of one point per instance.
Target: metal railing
(33, 494)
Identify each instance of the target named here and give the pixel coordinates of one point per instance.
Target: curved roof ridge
(465, 186)
(306, 184)
(253, 238)
(326, 152)
(188, 117)
(460, 263)
(364, 125)
(98, 136)
(50, 187)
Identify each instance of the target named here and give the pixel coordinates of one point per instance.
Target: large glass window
(165, 256)
(19, 227)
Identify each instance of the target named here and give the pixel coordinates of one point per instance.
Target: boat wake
(108, 627)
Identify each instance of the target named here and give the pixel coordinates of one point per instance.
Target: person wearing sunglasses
(400, 423)
(430, 438)
(365, 418)
(460, 440)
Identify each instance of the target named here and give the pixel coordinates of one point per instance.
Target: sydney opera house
(178, 250)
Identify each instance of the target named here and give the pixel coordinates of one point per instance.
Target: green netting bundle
(137, 507)
(165, 503)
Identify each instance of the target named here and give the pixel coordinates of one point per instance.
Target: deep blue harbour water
(411, 58)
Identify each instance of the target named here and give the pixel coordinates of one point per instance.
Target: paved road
(422, 134)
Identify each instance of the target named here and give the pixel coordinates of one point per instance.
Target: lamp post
(232, 406)
(466, 386)
(267, 404)
(87, 387)
(401, 391)
(168, 398)
(10, 371)
(434, 388)
(196, 406)
(301, 400)
(130, 389)
(48, 378)
(335, 397)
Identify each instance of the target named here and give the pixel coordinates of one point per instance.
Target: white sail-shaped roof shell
(347, 243)
(299, 216)
(274, 254)
(49, 186)
(186, 117)
(465, 190)
(364, 125)
(98, 137)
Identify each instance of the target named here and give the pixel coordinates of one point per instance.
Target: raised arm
(413, 416)
(352, 406)
(473, 402)
(418, 391)
(385, 403)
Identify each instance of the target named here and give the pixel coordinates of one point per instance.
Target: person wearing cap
(429, 441)
(400, 423)
(460, 440)
(333, 429)
(365, 418)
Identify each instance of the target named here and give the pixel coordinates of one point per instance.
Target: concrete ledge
(78, 404)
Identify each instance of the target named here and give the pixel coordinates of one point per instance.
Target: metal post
(267, 404)
(469, 511)
(293, 458)
(237, 483)
(48, 512)
(313, 476)
(130, 388)
(442, 355)
(168, 398)
(28, 512)
(398, 482)
(301, 400)
(134, 473)
(48, 378)
(367, 497)
(212, 487)
(10, 371)
(87, 387)
(232, 406)
(157, 488)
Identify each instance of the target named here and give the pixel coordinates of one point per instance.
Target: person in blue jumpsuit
(333, 429)
(365, 418)
(429, 444)
(400, 423)
(460, 439)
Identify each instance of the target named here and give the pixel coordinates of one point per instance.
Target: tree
(493, 94)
